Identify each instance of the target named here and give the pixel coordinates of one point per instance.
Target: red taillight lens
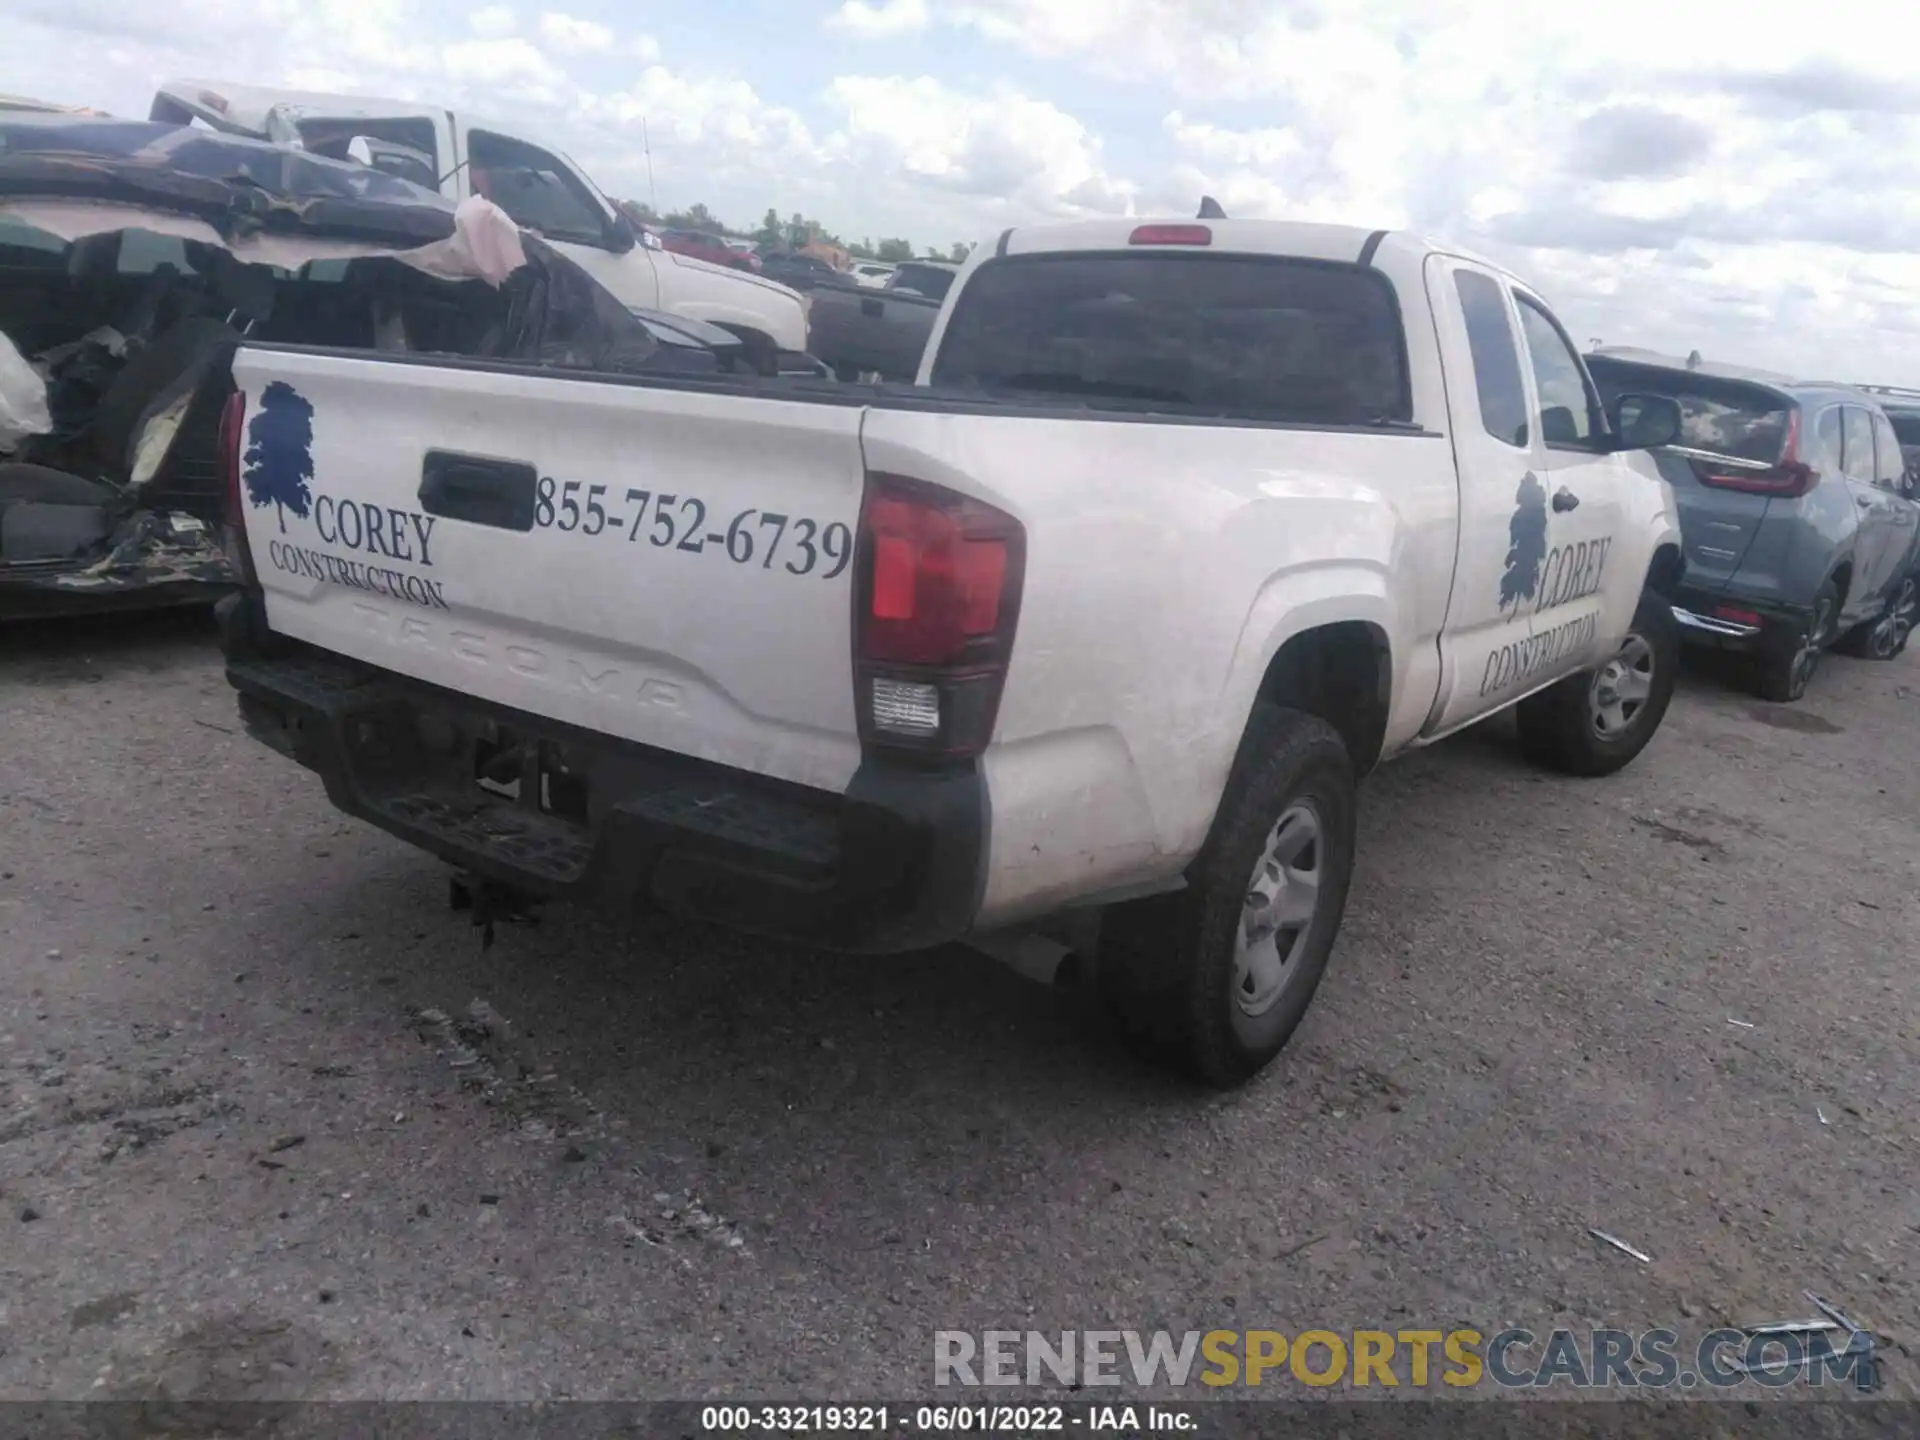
(1737, 615)
(232, 427)
(937, 595)
(1170, 235)
(1790, 476)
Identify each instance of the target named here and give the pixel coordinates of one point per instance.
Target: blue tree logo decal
(1526, 542)
(280, 452)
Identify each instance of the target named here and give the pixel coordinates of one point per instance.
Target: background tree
(895, 250)
(961, 249)
(279, 456)
(770, 231)
(695, 217)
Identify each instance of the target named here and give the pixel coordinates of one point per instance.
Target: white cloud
(508, 61)
(1013, 156)
(1667, 173)
(493, 22)
(889, 17)
(569, 35)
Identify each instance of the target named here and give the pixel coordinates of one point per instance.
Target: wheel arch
(1340, 671)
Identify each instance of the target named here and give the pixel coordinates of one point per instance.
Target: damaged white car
(135, 256)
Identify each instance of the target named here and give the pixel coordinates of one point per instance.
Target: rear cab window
(1496, 359)
(1237, 337)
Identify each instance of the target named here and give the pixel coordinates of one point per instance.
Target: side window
(1496, 361)
(1856, 460)
(1568, 410)
(1888, 463)
(535, 189)
(1826, 442)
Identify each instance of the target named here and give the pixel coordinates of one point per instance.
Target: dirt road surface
(273, 1125)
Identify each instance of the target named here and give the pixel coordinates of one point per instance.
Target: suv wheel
(1886, 635)
(1595, 723)
(1787, 666)
(1217, 976)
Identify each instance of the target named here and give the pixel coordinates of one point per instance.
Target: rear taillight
(1737, 615)
(1170, 235)
(937, 595)
(1790, 476)
(232, 426)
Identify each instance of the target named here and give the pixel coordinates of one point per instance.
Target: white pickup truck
(1186, 527)
(542, 190)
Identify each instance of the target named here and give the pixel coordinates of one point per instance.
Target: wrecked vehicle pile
(133, 259)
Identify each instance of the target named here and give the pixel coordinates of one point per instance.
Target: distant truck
(861, 330)
(1185, 528)
(537, 186)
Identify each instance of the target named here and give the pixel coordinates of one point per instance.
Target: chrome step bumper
(1714, 625)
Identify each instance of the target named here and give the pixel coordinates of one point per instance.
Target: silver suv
(1794, 514)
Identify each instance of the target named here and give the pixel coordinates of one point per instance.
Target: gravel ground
(273, 1125)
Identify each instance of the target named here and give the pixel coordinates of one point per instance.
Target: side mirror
(1644, 422)
(621, 236)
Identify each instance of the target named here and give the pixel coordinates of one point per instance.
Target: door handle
(479, 489)
(1565, 500)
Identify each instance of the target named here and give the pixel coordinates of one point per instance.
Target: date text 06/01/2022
(942, 1419)
(800, 545)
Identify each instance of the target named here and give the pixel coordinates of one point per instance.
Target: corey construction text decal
(1549, 578)
(279, 472)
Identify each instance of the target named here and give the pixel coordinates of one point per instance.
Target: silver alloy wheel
(1806, 659)
(1283, 896)
(1891, 630)
(1621, 688)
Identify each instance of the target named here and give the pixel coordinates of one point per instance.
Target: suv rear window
(1726, 417)
(1238, 337)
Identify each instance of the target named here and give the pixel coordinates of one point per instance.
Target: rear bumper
(896, 863)
(1702, 621)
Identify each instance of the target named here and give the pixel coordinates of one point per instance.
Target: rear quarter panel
(1166, 566)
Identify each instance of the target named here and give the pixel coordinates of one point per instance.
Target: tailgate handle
(478, 489)
(871, 307)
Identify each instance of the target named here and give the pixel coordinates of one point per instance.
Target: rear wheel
(1886, 635)
(1596, 722)
(1217, 976)
(1785, 669)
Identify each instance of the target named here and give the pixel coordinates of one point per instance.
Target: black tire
(1584, 725)
(1167, 967)
(1885, 636)
(1786, 667)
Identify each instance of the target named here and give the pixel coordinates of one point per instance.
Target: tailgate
(669, 567)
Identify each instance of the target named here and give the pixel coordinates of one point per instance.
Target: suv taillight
(232, 423)
(1791, 476)
(936, 595)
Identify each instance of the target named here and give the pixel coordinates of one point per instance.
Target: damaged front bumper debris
(152, 561)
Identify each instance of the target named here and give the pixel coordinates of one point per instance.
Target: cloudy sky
(1677, 174)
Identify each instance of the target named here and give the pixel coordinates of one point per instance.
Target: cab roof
(1304, 239)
